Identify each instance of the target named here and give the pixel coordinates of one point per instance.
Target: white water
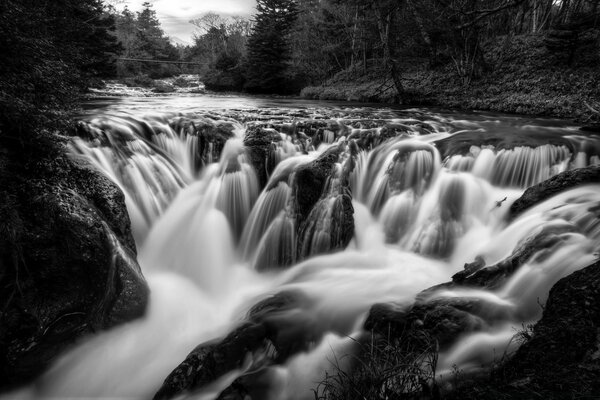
(203, 234)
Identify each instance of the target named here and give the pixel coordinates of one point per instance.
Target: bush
(386, 368)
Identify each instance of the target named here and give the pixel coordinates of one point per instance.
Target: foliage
(386, 368)
(269, 46)
(52, 51)
(142, 38)
(455, 34)
(526, 78)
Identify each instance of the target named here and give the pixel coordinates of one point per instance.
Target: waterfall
(212, 242)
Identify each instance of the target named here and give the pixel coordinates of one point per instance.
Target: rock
(548, 188)
(565, 339)
(160, 87)
(491, 277)
(446, 318)
(323, 208)
(329, 227)
(259, 147)
(68, 264)
(269, 334)
(208, 362)
(595, 128)
(461, 143)
(442, 319)
(558, 359)
(310, 180)
(211, 137)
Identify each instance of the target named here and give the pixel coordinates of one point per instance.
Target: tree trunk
(385, 20)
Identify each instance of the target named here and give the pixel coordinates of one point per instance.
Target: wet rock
(322, 205)
(559, 358)
(268, 336)
(461, 143)
(329, 227)
(310, 182)
(208, 362)
(446, 318)
(564, 342)
(68, 265)
(477, 274)
(442, 319)
(161, 87)
(595, 128)
(558, 183)
(259, 146)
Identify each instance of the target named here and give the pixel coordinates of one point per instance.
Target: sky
(174, 15)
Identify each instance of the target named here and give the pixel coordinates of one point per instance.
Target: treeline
(142, 38)
(51, 52)
(289, 44)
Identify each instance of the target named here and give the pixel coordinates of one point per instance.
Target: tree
(269, 47)
(51, 51)
(142, 37)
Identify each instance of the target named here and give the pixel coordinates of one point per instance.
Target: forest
(522, 56)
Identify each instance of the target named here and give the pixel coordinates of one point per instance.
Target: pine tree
(269, 47)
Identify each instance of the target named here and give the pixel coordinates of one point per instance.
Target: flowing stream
(212, 242)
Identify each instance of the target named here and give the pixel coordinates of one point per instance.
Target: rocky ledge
(67, 259)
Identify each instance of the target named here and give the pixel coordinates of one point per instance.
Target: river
(430, 191)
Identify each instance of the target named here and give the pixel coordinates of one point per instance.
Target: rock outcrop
(267, 336)
(560, 358)
(67, 262)
(259, 143)
(558, 183)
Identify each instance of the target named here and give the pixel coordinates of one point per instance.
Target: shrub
(385, 368)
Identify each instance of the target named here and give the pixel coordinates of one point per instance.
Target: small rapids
(216, 235)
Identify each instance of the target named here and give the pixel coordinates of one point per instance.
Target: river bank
(522, 77)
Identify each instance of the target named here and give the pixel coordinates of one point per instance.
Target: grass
(384, 368)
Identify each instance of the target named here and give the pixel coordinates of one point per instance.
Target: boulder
(548, 188)
(323, 208)
(259, 147)
(560, 356)
(267, 336)
(477, 274)
(441, 319)
(310, 182)
(461, 143)
(67, 262)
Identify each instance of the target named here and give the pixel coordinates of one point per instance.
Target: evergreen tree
(269, 47)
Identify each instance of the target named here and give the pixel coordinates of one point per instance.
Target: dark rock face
(477, 274)
(259, 146)
(324, 213)
(268, 333)
(442, 319)
(211, 136)
(561, 356)
(561, 182)
(310, 182)
(67, 266)
(461, 143)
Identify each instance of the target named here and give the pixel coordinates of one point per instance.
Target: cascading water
(212, 242)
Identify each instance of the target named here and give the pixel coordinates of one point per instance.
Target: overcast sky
(174, 15)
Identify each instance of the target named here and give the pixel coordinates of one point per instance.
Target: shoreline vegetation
(527, 57)
(523, 82)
